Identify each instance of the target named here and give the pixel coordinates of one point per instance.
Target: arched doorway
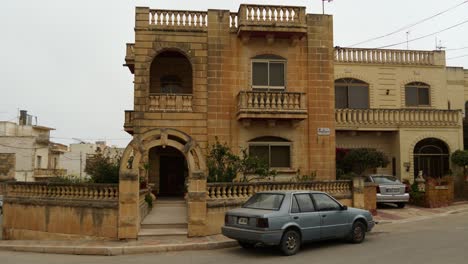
(431, 156)
(168, 171)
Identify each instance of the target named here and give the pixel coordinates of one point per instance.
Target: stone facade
(7, 166)
(217, 48)
(388, 123)
(37, 158)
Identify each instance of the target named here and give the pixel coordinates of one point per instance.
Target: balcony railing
(256, 104)
(287, 19)
(178, 19)
(128, 123)
(387, 56)
(170, 103)
(49, 173)
(394, 118)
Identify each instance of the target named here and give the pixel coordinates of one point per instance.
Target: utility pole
(407, 40)
(81, 163)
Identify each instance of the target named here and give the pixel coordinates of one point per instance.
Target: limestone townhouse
(269, 79)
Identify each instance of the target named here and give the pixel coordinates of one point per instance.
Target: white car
(390, 189)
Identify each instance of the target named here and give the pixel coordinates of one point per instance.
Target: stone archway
(132, 167)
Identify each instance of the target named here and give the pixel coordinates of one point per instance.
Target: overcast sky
(62, 60)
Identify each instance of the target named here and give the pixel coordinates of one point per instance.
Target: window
(268, 72)
(417, 94)
(325, 203)
(276, 152)
(265, 201)
(351, 93)
(38, 162)
(304, 202)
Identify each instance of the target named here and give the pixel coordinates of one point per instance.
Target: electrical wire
(425, 36)
(461, 56)
(457, 48)
(410, 25)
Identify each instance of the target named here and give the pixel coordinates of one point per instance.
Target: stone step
(158, 226)
(166, 233)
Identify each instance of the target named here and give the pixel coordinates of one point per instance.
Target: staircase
(167, 219)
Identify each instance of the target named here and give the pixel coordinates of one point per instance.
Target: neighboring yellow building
(406, 103)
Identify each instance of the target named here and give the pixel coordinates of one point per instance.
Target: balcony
(271, 105)
(128, 123)
(268, 19)
(130, 57)
(389, 56)
(392, 119)
(170, 103)
(48, 173)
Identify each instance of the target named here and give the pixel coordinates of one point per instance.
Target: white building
(37, 158)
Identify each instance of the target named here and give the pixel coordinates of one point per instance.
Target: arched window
(417, 94)
(431, 157)
(171, 72)
(268, 72)
(275, 151)
(351, 93)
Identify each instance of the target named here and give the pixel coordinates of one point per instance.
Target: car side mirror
(344, 207)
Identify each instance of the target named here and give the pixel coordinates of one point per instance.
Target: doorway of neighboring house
(431, 156)
(168, 171)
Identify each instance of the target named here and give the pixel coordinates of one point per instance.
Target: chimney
(23, 117)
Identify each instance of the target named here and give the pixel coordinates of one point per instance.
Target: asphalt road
(437, 240)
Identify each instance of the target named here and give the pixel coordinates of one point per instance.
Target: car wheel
(246, 245)
(401, 205)
(290, 242)
(358, 233)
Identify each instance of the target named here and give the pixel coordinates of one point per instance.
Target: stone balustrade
(130, 52)
(233, 20)
(385, 56)
(129, 116)
(352, 118)
(222, 191)
(37, 190)
(271, 15)
(170, 103)
(178, 19)
(275, 101)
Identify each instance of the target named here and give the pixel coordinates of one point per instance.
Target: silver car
(390, 190)
(289, 218)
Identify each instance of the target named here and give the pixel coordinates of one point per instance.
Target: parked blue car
(289, 218)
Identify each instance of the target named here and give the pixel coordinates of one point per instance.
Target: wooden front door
(172, 176)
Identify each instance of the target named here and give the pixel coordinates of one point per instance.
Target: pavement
(386, 215)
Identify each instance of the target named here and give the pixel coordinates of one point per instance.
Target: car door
(304, 214)
(334, 220)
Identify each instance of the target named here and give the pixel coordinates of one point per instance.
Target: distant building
(36, 157)
(74, 160)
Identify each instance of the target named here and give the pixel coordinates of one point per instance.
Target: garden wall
(42, 211)
(223, 197)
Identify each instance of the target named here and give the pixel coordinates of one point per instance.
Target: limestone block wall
(40, 211)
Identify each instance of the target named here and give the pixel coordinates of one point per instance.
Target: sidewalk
(385, 215)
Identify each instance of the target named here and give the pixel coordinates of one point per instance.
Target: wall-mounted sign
(323, 131)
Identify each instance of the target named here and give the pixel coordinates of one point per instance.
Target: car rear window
(265, 201)
(385, 179)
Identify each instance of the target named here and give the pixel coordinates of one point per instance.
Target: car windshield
(385, 179)
(265, 201)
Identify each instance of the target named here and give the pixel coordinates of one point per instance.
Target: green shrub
(149, 200)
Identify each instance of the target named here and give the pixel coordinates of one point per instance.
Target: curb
(117, 250)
